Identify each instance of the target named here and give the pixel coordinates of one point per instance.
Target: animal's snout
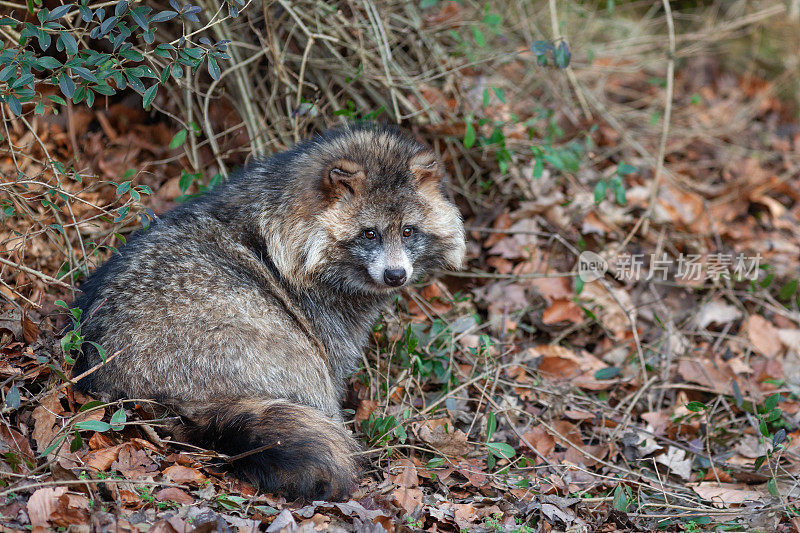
(394, 277)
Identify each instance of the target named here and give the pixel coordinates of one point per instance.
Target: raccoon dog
(246, 308)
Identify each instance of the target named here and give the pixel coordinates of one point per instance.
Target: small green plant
(379, 431)
(623, 498)
(426, 351)
(355, 115)
(493, 522)
(414, 522)
(497, 450)
(614, 184)
(231, 502)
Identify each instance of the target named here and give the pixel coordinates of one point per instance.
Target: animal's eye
(370, 234)
(408, 231)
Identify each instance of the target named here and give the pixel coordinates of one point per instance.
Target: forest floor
(521, 394)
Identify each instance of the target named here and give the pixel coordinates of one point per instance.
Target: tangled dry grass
(509, 396)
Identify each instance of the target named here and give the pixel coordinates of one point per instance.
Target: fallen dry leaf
(678, 463)
(727, 494)
(17, 443)
(563, 311)
(71, 510)
(45, 416)
(184, 474)
(174, 494)
(439, 433)
(715, 375)
(540, 440)
(102, 459)
(716, 312)
(41, 505)
(763, 335)
(133, 463)
(612, 315)
(552, 289)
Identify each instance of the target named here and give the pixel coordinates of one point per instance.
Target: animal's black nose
(394, 277)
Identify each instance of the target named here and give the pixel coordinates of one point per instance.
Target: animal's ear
(425, 167)
(342, 176)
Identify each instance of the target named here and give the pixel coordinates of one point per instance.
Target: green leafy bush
(102, 51)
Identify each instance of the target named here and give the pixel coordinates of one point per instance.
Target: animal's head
(372, 215)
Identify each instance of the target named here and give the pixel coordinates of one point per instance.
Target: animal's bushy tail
(282, 447)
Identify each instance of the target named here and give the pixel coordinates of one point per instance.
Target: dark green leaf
(131, 54)
(213, 68)
(8, 71)
(469, 135)
(107, 24)
(90, 405)
(85, 74)
(149, 95)
(491, 426)
(599, 191)
(608, 373)
(772, 487)
(12, 397)
(53, 446)
(538, 167)
(80, 94)
(93, 425)
(492, 19)
(135, 82)
(194, 53)
(14, 104)
(118, 419)
(77, 443)
(621, 499)
(541, 48)
(59, 12)
(69, 43)
(44, 39)
(103, 89)
(772, 402)
(123, 187)
(737, 394)
(619, 194)
(500, 93)
(501, 449)
(696, 406)
(477, 34)
(787, 291)
(121, 8)
(562, 55)
(48, 62)
(178, 139)
(436, 462)
(140, 18)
